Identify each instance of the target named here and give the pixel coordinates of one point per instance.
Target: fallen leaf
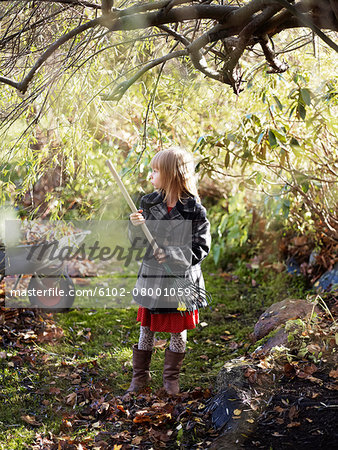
(293, 424)
(225, 337)
(120, 407)
(54, 390)
(31, 420)
(137, 440)
(333, 374)
(278, 409)
(71, 399)
(141, 419)
(237, 412)
(293, 412)
(160, 343)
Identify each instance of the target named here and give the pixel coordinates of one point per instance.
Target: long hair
(177, 171)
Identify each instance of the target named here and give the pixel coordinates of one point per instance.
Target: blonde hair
(177, 170)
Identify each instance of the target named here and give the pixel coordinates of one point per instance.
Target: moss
(262, 341)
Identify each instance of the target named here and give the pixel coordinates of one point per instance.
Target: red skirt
(169, 322)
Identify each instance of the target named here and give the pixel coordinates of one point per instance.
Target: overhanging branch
(22, 85)
(123, 87)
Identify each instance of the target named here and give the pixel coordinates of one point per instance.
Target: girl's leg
(146, 340)
(178, 342)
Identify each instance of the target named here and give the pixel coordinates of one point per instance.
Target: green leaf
(305, 186)
(294, 142)
(278, 103)
(292, 111)
(280, 136)
(216, 253)
(306, 96)
(301, 111)
(227, 160)
(272, 139)
(286, 207)
(256, 120)
(259, 178)
(260, 137)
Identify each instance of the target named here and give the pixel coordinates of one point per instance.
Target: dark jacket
(184, 234)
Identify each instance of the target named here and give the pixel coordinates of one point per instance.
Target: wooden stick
(130, 202)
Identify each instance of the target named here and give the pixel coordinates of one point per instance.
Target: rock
(278, 339)
(232, 375)
(279, 313)
(292, 266)
(328, 281)
(235, 406)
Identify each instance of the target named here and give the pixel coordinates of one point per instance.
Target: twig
(303, 18)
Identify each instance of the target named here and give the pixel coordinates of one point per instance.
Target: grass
(96, 351)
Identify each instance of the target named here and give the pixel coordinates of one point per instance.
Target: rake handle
(130, 202)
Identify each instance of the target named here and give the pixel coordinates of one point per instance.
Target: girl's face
(155, 178)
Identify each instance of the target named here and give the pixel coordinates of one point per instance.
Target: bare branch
(22, 86)
(270, 55)
(69, 2)
(306, 22)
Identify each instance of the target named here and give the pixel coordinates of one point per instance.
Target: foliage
(72, 34)
(272, 151)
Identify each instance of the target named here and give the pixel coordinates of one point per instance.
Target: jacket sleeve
(135, 234)
(186, 255)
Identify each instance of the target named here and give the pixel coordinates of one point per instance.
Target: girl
(175, 198)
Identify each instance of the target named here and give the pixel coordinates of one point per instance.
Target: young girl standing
(175, 198)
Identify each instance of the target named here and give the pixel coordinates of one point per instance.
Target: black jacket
(184, 234)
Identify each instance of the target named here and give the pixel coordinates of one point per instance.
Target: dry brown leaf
(278, 409)
(333, 374)
(71, 399)
(31, 420)
(137, 440)
(160, 343)
(54, 390)
(293, 424)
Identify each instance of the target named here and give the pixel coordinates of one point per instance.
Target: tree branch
(120, 90)
(22, 85)
(69, 2)
(249, 22)
(270, 56)
(306, 22)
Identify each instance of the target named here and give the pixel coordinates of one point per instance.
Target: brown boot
(141, 364)
(171, 371)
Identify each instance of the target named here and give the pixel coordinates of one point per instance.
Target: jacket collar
(158, 207)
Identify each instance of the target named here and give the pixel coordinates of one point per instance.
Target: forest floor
(63, 376)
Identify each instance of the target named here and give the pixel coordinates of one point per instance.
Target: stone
(277, 340)
(279, 313)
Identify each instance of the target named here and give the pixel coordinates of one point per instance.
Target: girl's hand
(137, 218)
(160, 255)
